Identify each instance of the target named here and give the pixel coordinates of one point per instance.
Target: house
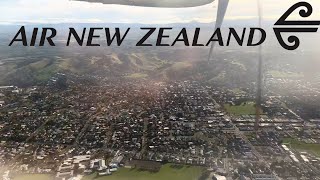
(2, 103)
(116, 161)
(67, 174)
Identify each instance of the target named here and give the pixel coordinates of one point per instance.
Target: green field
(33, 177)
(247, 108)
(302, 146)
(280, 74)
(166, 172)
(237, 91)
(137, 76)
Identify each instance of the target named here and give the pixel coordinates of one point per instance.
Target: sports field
(302, 146)
(247, 108)
(168, 171)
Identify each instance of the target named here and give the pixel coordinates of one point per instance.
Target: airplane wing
(155, 3)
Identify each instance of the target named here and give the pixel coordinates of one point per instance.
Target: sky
(67, 11)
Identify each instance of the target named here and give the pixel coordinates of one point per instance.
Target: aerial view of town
(158, 113)
(134, 126)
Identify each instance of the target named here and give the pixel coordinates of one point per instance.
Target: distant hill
(157, 63)
(230, 66)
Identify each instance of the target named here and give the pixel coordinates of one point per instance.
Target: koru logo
(283, 25)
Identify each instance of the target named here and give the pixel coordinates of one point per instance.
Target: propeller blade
(222, 9)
